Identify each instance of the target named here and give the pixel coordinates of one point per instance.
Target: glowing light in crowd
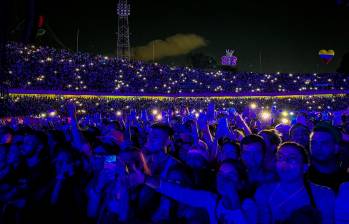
(158, 117)
(43, 115)
(197, 115)
(154, 111)
(284, 113)
(52, 113)
(253, 106)
(291, 113)
(118, 113)
(285, 121)
(265, 115)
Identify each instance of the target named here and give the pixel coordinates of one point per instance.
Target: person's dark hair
(116, 125)
(164, 127)
(43, 140)
(250, 139)
(294, 127)
(105, 121)
(109, 149)
(57, 136)
(187, 179)
(330, 130)
(304, 153)
(19, 132)
(6, 130)
(67, 150)
(41, 136)
(188, 123)
(130, 149)
(177, 119)
(274, 137)
(135, 136)
(22, 130)
(225, 141)
(89, 136)
(306, 160)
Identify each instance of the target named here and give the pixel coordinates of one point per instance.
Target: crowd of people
(216, 166)
(44, 68)
(120, 159)
(19, 105)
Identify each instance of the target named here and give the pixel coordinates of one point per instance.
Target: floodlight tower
(123, 43)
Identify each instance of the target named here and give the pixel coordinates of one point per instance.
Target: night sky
(287, 34)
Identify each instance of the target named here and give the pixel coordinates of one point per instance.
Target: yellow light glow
(284, 113)
(253, 106)
(52, 113)
(154, 111)
(130, 97)
(118, 113)
(285, 121)
(265, 115)
(158, 117)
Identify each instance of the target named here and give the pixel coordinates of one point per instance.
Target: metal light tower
(123, 44)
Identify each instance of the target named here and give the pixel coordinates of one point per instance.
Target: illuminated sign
(229, 59)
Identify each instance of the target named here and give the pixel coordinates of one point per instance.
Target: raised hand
(211, 111)
(71, 109)
(222, 128)
(133, 115)
(144, 115)
(239, 120)
(202, 121)
(195, 131)
(241, 123)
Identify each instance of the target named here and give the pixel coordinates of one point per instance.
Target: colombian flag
(326, 55)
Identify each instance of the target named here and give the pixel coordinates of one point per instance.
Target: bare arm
(78, 139)
(240, 121)
(195, 198)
